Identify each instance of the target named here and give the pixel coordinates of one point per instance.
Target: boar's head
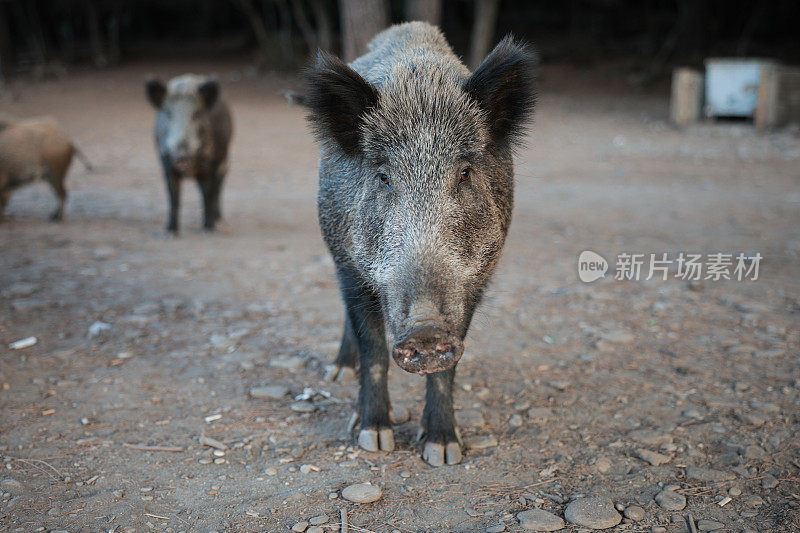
(182, 125)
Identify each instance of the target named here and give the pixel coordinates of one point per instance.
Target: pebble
(634, 512)
(289, 362)
(658, 529)
(709, 525)
(307, 469)
(755, 452)
(515, 420)
(300, 526)
(469, 418)
(480, 442)
(753, 501)
(593, 512)
(271, 472)
(708, 475)
(362, 493)
(540, 413)
(315, 529)
(654, 458)
(499, 528)
(318, 520)
(670, 500)
(540, 520)
(769, 482)
(753, 419)
(303, 407)
(205, 461)
(12, 485)
(650, 437)
(405, 474)
(735, 491)
(602, 464)
(618, 336)
(97, 328)
(269, 392)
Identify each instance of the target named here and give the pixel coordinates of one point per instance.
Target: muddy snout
(426, 350)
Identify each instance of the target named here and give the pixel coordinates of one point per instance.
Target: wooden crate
(686, 101)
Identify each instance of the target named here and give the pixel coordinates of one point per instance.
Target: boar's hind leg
(366, 319)
(345, 362)
(442, 443)
(207, 188)
(61, 197)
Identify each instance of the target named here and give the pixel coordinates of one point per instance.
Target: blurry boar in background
(415, 198)
(193, 129)
(35, 149)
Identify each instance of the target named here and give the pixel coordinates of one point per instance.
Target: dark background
(45, 37)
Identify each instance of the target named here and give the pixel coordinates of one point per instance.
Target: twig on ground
(156, 448)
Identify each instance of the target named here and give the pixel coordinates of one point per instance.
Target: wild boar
(415, 200)
(193, 131)
(34, 149)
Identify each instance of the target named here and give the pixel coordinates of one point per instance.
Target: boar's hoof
(374, 440)
(437, 454)
(342, 373)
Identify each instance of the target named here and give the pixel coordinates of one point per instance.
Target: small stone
(658, 529)
(499, 528)
(299, 527)
(654, 458)
(602, 464)
(769, 481)
(318, 520)
(219, 461)
(753, 501)
(755, 452)
(735, 491)
(634, 512)
(592, 512)
(219, 453)
(753, 419)
(362, 493)
(405, 474)
(273, 392)
(97, 328)
(539, 520)
(540, 414)
(287, 362)
(618, 337)
(708, 475)
(333, 496)
(271, 472)
(709, 525)
(307, 469)
(12, 485)
(480, 442)
(315, 529)
(670, 500)
(650, 437)
(205, 460)
(469, 418)
(515, 420)
(303, 407)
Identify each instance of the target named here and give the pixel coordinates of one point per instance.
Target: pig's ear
(209, 92)
(156, 91)
(504, 87)
(337, 97)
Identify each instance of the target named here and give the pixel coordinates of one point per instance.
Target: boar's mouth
(427, 350)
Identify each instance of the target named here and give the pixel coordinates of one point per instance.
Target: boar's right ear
(337, 97)
(156, 91)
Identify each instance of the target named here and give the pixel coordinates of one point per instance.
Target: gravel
(708, 475)
(634, 512)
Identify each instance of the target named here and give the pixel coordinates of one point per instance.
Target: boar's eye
(384, 179)
(466, 174)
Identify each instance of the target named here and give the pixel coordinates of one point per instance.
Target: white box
(732, 86)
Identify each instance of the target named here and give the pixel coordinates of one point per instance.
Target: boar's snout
(426, 350)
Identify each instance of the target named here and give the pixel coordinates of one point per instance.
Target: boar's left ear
(209, 92)
(337, 97)
(156, 91)
(504, 87)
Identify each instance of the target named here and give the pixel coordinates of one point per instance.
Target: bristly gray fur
(415, 200)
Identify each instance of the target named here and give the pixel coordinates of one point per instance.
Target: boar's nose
(426, 350)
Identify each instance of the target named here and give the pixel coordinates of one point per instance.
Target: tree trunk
(301, 17)
(257, 25)
(426, 10)
(361, 20)
(482, 30)
(95, 37)
(285, 32)
(322, 18)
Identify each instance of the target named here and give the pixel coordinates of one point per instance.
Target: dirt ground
(576, 382)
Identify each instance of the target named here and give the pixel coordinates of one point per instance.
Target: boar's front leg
(174, 191)
(442, 443)
(366, 320)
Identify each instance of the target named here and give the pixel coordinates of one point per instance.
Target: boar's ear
(209, 92)
(156, 91)
(337, 97)
(503, 86)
